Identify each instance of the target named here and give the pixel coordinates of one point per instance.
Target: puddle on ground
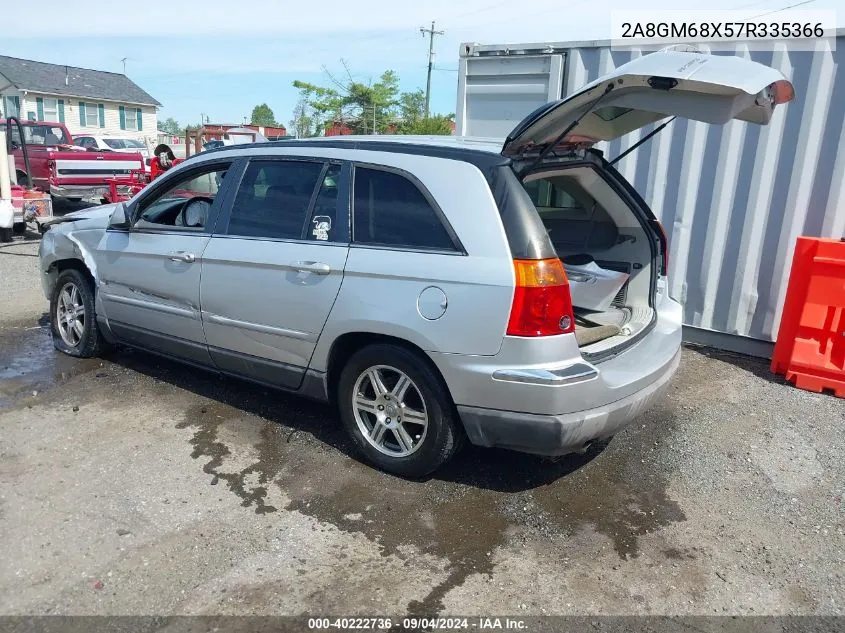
(481, 500)
(29, 362)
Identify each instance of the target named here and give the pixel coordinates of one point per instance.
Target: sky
(199, 57)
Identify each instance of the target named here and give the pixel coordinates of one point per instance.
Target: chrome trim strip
(151, 305)
(257, 327)
(579, 372)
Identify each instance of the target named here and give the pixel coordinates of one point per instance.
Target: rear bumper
(541, 395)
(563, 433)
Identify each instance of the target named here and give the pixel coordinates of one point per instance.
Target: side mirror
(118, 219)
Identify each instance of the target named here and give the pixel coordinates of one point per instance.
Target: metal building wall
(733, 198)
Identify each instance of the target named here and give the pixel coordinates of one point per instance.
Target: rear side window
(556, 197)
(273, 198)
(572, 216)
(390, 210)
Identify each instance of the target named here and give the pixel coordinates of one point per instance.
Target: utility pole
(124, 64)
(431, 33)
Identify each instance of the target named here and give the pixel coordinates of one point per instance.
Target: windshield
(124, 143)
(39, 134)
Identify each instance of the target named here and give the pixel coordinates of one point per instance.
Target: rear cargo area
(606, 250)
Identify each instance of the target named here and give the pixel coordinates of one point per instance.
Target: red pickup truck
(60, 168)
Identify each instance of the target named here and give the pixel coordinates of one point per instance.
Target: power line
(791, 6)
(750, 4)
(545, 11)
(474, 11)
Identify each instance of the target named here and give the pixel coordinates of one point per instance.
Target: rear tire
(397, 411)
(73, 321)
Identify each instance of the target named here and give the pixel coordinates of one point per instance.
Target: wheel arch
(60, 265)
(346, 345)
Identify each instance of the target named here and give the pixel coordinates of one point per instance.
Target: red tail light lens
(542, 304)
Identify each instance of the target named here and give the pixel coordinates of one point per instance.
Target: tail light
(542, 304)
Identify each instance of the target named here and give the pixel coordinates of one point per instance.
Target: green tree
(436, 124)
(366, 108)
(413, 119)
(263, 115)
(302, 124)
(171, 126)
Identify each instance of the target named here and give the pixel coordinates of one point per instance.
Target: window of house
(273, 198)
(51, 109)
(92, 115)
(132, 118)
(390, 210)
(12, 106)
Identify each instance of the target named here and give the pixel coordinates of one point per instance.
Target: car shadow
(490, 469)
(759, 367)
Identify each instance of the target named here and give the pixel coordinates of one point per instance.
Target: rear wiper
(641, 141)
(548, 148)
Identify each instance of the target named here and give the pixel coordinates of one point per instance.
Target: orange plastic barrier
(810, 350)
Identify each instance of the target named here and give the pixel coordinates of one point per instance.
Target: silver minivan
(434, 289)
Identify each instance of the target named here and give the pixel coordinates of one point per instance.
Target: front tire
(73, 321)
(397, 411)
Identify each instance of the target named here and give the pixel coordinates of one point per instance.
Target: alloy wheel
(70, 314)
(389, 410)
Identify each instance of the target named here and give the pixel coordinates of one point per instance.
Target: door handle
(318, 268)
(182, 256)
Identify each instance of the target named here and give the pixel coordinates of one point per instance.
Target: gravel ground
(132, 485)
(21, 289)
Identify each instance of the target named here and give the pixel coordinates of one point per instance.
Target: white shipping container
(732, 198)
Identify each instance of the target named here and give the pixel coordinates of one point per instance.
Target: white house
(87, 101)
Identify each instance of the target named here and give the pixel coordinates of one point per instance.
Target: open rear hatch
(610, 242)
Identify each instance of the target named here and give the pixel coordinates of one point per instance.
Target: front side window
(390, 210)
(273, 198)
(123, 143)
(92, 115)
(186, 203)
(85, 141)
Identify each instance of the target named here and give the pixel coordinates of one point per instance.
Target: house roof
(34, 76)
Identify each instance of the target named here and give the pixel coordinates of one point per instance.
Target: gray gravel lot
(132, 485)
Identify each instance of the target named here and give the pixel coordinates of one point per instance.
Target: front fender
(59, 246)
